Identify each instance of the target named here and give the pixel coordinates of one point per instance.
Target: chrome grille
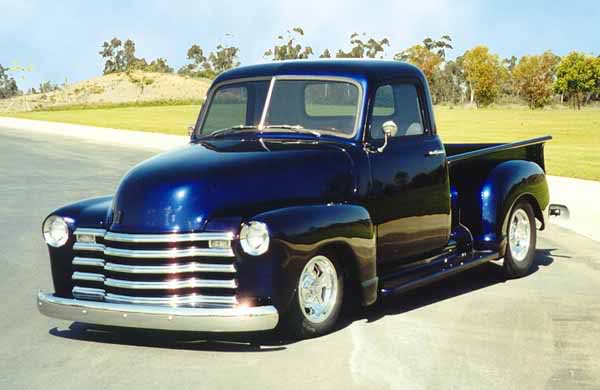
(192, 269)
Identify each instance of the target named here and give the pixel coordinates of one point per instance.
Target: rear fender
(506, 184)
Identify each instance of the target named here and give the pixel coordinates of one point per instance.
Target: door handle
(436, 152)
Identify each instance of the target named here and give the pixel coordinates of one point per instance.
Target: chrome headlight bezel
(255, 238)
(56, 231)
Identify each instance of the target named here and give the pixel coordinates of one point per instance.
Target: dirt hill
(114, 88)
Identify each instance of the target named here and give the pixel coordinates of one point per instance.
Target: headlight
(254, 238)
(56, 231)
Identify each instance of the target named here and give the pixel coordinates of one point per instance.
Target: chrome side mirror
(190, 130)
(390, 129)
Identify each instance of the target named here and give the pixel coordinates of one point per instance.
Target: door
(409, 198)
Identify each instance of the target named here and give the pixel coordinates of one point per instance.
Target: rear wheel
(521, 234)
(318, 300)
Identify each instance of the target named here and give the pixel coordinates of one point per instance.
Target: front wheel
(521, 234)
(318, 300)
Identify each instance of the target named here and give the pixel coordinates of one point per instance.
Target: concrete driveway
(472, 331)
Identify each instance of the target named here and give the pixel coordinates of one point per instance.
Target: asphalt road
(473, 331)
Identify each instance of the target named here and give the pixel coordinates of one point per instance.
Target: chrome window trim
(359, 106)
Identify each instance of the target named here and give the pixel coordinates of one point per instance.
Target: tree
(113, 55)
(326, 54)
(290, 50)
(120, 57)
(223, 59)
(483, 73)
(448, 84)
(534, 77)
(159, 65)
(8, 85)
(429, 56)
(48, 87)
(361, 49)
(577, 74)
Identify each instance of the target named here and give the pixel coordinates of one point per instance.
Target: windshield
(322, 106)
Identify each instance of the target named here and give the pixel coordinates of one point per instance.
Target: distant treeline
(477, 76)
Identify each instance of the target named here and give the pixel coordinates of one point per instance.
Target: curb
(582, 197)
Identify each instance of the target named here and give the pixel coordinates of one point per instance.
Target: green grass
(165, 119)
(574, 151)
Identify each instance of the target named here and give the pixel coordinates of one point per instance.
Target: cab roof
(366, 69)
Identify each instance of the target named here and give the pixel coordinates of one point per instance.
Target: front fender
(505, 185)
(90, 213)
(300, 232)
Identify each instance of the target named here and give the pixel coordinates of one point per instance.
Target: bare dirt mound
(114, 89)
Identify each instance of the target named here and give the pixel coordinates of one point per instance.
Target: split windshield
(316, 106)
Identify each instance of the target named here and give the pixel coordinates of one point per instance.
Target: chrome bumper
(242, 319)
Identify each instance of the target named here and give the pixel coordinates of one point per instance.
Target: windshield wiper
(229, 130)
(297, 128)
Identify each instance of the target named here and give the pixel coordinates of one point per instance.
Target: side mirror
(190, 130)
(390, 129)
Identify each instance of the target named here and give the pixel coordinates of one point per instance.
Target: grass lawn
(157, 119)
(574, 151)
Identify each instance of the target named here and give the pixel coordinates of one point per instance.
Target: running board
(402, 283)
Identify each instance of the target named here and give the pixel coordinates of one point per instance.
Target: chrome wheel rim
(519, 235)
(317, 289)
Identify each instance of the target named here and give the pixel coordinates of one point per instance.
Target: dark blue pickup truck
(305, 184)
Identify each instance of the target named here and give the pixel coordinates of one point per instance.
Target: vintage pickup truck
(304, 184)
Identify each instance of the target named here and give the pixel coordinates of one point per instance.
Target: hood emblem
(118, 217)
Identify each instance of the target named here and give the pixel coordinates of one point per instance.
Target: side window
(398, 103)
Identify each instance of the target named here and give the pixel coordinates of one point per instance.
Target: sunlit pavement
(472, 331)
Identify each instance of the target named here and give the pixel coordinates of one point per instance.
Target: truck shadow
(475, 279)
(483, 276)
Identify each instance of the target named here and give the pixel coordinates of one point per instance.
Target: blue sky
(62, 38)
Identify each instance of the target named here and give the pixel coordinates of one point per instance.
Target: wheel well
(344, 255)
(537, 211)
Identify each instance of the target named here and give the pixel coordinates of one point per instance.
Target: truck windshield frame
(264, 125)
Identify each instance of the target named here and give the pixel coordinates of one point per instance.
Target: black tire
(516, 265)
(298, 325)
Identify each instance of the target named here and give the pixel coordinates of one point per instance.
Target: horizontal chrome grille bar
(154, 254)
(165, 238)
(99, 294)
(87, 246)
(169, 269)
(90, 232)
(88, 293)
(172, 284)
(88, 276)
(173, 300)
(169, 253)
(88, 261)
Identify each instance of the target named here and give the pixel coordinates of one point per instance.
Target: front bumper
(241, 319)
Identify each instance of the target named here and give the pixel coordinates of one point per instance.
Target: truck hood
(180, 190)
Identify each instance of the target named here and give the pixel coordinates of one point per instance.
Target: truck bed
(470, 167)
(530, 150)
